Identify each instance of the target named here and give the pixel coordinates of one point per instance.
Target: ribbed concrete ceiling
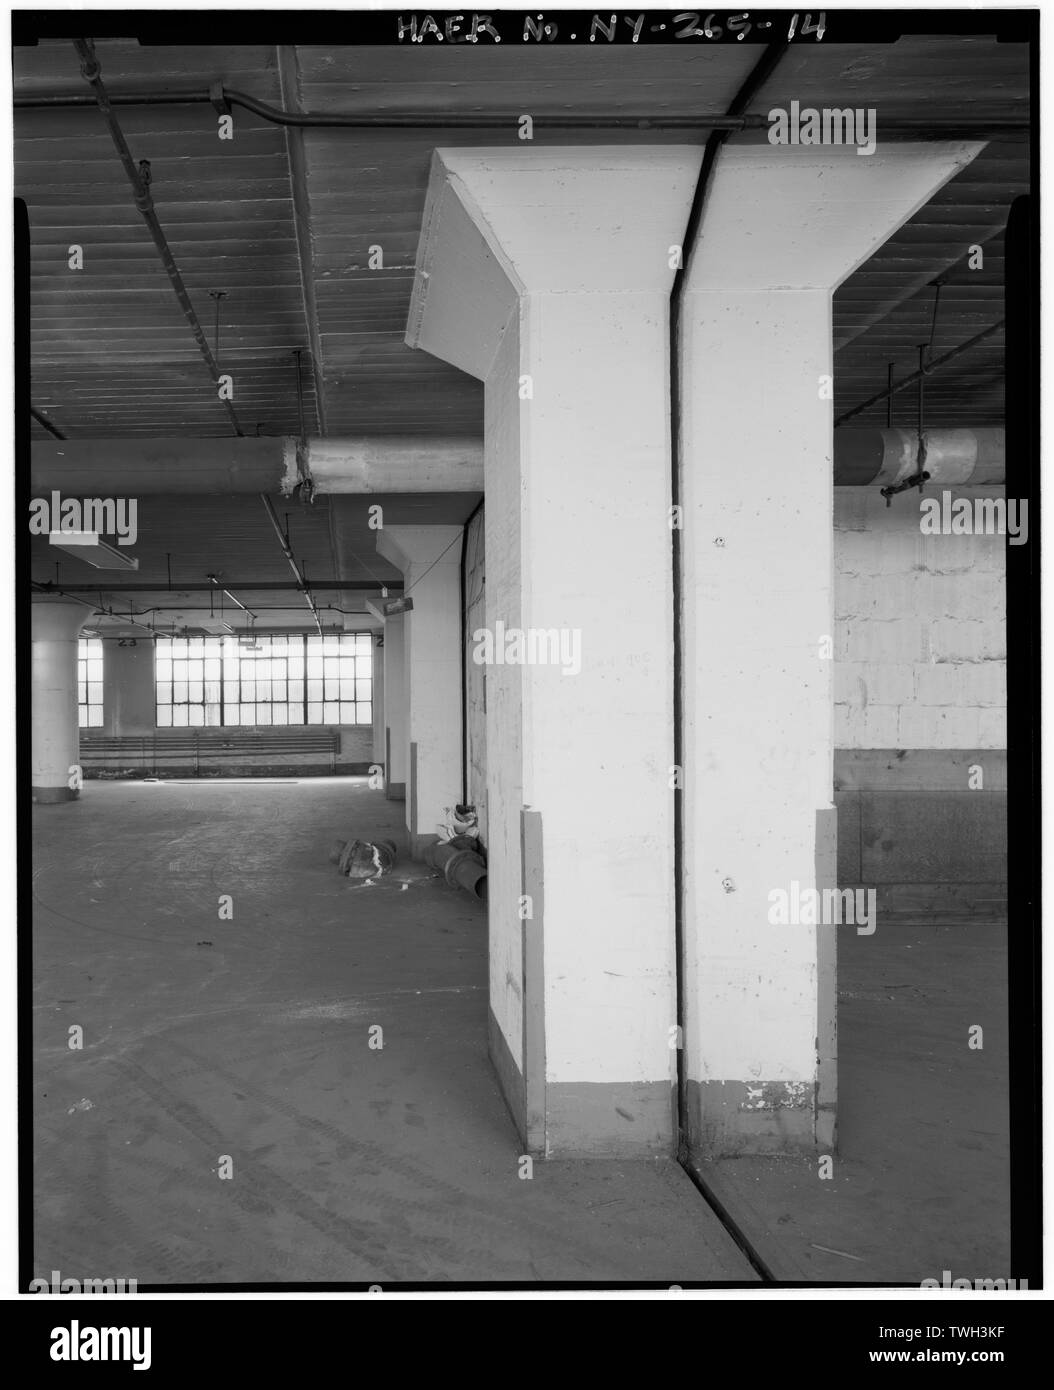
(283, 223)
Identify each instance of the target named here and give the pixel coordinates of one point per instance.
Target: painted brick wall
(920, 642)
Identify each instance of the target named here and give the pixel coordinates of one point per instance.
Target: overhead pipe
(399, 463)
(219, 96)
(920, 373)
(214, 580)
(97, 608)
(304, 487)
(139, 178)
(356, 585)
(960, 457)
(192, 608)
(462, 606)
(130, 619)
(287, 550)
(289, 86)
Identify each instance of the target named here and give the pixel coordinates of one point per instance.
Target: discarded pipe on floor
(461, 863)
(438, 854)
(467, 870)
(469, 842)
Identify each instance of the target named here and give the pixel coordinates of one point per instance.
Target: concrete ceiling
(283, 221)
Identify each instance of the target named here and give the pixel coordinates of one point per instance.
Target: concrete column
(395, 737)
(56, 738)
(782, 228)
(430, 559)
(128, 688)
(546, 274)
(379, 741)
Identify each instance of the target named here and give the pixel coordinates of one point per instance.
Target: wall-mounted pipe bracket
(916, 480)
(219, 99)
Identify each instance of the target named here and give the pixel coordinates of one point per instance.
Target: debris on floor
(461, 820)
(362, 859)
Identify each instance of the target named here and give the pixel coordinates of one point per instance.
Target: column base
(610, 1119)
(50, 796)
(510, 1077)
(588, 1119)
(731, 1119)
(421, 844)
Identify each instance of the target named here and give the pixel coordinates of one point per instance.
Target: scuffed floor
(920, 1182)
(244, 1044)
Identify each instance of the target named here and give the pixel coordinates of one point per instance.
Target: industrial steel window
(286, 679)
(89, 682)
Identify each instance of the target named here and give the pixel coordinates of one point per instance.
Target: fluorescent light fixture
(394, 606)
(89, 547)
(216, 626)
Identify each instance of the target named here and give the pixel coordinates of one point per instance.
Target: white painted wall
(504, 721)
(920, 634)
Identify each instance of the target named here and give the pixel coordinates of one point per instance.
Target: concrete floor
(921, 1177)
(249, 1038)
